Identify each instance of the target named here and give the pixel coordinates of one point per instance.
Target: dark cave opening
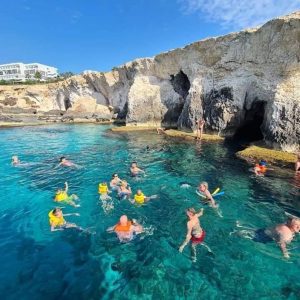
(181, 84)
(250, 129)
(67, 103)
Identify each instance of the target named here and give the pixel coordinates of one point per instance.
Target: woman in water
(66, 163)
(297, 164)
(62, 196)
(125, 190)
(194, 231)
(125, 229)
(203, 189)
(57, 221)
(115, 182)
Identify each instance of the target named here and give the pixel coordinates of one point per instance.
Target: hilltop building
(22, 72)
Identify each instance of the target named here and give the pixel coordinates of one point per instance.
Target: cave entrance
(67, 103)
(250, 130)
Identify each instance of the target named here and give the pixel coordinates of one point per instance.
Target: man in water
(260, 168)
(135, 170)
(62, 196)
(203, 189)
(126, 229)
(283, 234)
(15, 160)
(66, 163)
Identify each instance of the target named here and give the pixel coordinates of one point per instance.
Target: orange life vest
(262, 169)
(121, 228)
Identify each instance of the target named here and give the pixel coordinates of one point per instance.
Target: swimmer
(282, 234)
(15, 160)
(297, 164)
(203, 189)
(194, 231)
(126, 229)
(260, 168)
(200, 125)
(66, 163)
(140, 198)
(125, 190)
(135, 170)
(62, 196)
(115, 182)
(57, 221)
(103, 191)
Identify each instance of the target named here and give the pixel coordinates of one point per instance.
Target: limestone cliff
(241, 82)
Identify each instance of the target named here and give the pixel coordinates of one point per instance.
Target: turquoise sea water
(39, 264)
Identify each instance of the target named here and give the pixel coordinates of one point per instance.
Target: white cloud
(238, 14)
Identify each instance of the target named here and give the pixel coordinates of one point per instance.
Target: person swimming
(297, 163)
(203, 189)
(115, 182)
(195, 233)
(62, 196)
(15, 160)
(125, 229)
(260, 168)
(140, 198)
(103, 191)
(66, 163)
(125, 190)
(57, 221)
(135, 170)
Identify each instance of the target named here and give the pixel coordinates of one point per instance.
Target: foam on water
(37, 263)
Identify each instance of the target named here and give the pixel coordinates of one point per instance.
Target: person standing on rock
(297, 164)
(200, 125)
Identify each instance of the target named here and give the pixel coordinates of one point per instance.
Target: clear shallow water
(36, 263)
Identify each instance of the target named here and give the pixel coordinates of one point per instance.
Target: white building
(22, 72)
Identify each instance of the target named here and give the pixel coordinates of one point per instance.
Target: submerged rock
(244, 84)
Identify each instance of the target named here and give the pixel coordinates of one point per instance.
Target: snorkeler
(140, 198)
(66, 163)
(200, 125)
(260, 168)
(203, 189)
(126, 229)
(103, 191)
(62, 196)
(115, 182)
(57, 221)
(283, 234)
(135, 170)
(194, 231)
(125, 190)
(297, 164)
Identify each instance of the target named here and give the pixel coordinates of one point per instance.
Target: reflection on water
(75, 265)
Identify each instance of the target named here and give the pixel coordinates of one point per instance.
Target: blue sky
(97, 35)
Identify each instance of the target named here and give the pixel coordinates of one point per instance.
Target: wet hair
(56, 210)
(61, 159)
(204, 183)
(191, 210)
(114, 175)
(134, 162)
(291, 221)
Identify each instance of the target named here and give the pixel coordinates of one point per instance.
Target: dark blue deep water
(39, 264)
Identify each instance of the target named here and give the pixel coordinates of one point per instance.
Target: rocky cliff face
(245, 83)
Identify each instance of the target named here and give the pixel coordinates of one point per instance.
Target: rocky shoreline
(241, 84)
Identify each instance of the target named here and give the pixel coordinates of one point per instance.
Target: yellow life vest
(61, 196)
(56, 221)
(140, 199)
(102, 188)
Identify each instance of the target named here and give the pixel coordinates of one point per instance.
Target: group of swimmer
(126, 229)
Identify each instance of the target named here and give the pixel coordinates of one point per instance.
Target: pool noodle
(215, 195)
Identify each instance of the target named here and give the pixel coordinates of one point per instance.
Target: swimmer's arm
(73, 214)
(200, 213)
(111, 229)
(283, 248)
(187, 239)
(55, 229)
(66, 187)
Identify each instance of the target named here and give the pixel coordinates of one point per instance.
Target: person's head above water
(203, 186)
(15, 159)
(57, 212)
(190, 212)
(263, 163)
(63, 158)
(294, 224)
(115, 175)
(139, 192)
(123, 220)
(134, 164)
